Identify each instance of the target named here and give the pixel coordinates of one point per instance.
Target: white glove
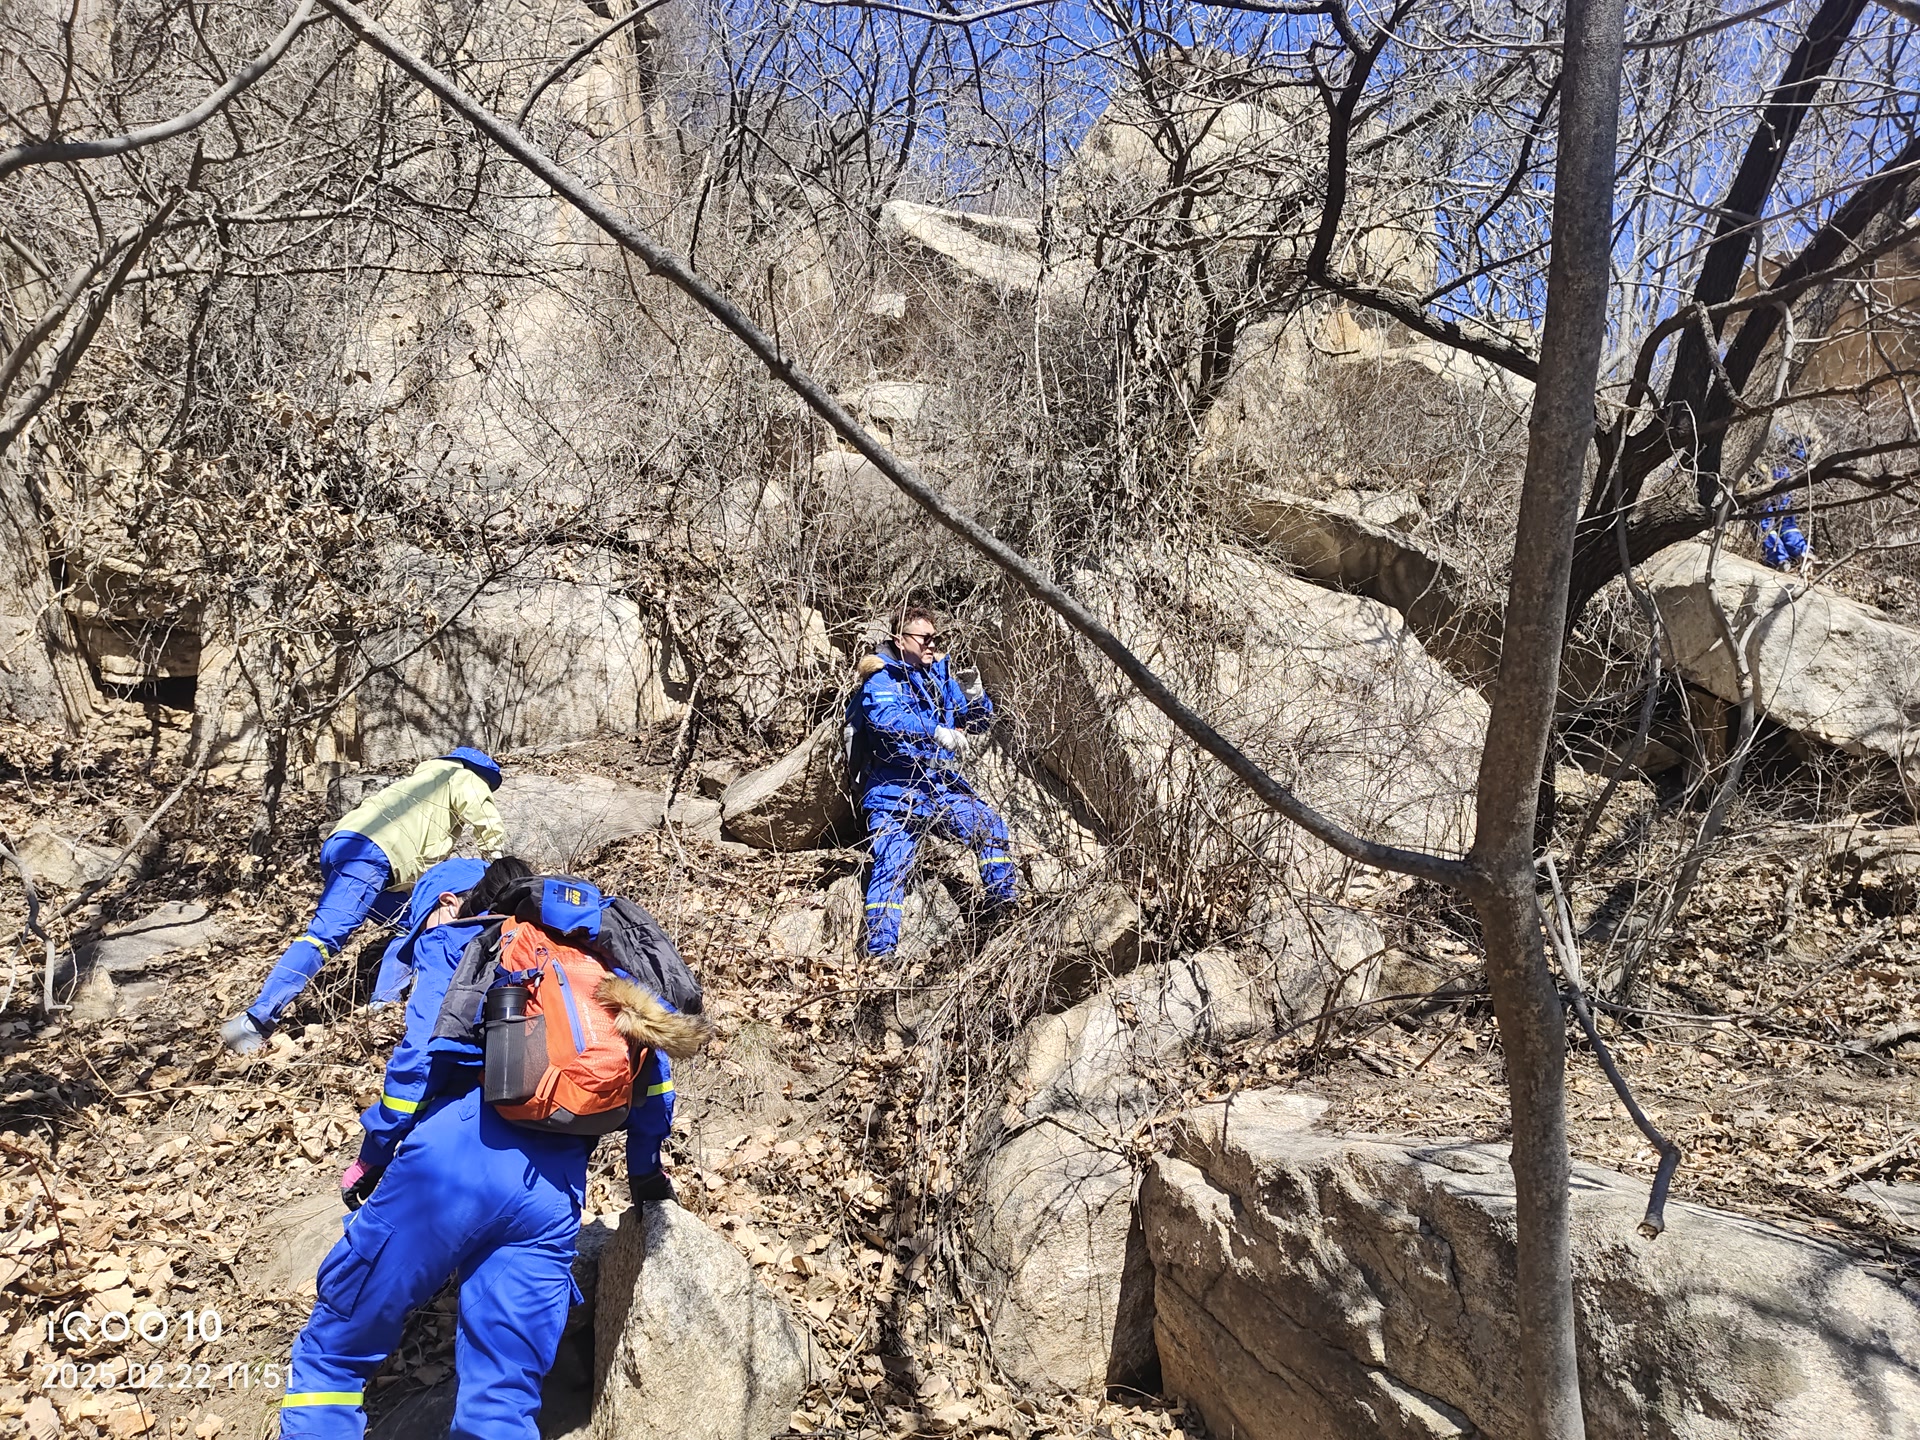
(970, 686)
(950, 740)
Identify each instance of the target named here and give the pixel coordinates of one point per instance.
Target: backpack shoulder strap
(467, 991)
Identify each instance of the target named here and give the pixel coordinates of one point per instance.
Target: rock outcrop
(687, 1342)
(797, 801)
(558, 824)
(525, 664)
(300, 1234)
(60, 863)
(999, 251)
(775, 660)
(1072, 1298)
(1331, 691)
(1309, 1287)
(1828, 668)
(1361, 543)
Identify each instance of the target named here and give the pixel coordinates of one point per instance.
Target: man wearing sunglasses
(912, 721)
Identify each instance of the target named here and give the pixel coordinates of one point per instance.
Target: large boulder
(1313, 956)
(1828, 668)
(1310, 1287)
(1362, 543)
(1065, 1272)
(516, 662)
(1330, 691)
(794, 803)
(1305, 390)
(687, 1342)
(559, 824)
(525, 663)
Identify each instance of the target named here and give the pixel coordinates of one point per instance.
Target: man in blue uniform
(912, 719)
(1783, 544)
(378, 850)
(445, 1186)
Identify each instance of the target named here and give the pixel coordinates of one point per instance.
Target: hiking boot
(243, 1034)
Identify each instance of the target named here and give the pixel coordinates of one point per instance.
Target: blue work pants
(354, 874)
(897, 816)
(468, 1194)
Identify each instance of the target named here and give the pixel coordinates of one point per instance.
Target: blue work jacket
(895, 712)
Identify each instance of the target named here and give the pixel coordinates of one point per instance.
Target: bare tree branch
(605, 34)
(83, 325)
(53, 151)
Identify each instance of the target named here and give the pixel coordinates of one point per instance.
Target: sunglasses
(935, 639)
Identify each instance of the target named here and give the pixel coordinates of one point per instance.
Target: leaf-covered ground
(142, 1170)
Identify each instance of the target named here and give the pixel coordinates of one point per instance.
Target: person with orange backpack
(486, 1177)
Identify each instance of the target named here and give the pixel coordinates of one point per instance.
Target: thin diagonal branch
(606, 34)
(664, 263)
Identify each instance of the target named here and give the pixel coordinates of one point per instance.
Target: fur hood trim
(645, 1021)
(880, 658)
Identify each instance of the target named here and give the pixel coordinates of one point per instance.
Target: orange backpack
(555, 1055)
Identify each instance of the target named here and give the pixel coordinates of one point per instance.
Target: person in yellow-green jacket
(369, 864)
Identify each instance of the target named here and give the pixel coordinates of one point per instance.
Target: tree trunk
(43, 679)
(1525, 998)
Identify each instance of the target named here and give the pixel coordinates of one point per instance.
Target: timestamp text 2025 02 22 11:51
(165, 1375)
(153, 1326)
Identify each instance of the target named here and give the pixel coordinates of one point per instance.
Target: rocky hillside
(979, 1179)
(1208, 1135)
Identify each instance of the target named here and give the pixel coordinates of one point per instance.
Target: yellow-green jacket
(415, 821)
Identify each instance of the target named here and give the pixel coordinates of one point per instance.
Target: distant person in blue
(1782, 542)
(443, 1185)
(911, 720)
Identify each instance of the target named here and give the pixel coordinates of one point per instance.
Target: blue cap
(478, 761)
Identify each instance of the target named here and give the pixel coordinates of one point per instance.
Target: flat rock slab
(59, 863)
(1310, 1286)
(140, 944)
(301, 1235)
(559, 824)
